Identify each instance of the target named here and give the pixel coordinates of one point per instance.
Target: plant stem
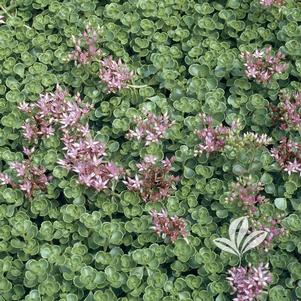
(5, 10)
(137, 86)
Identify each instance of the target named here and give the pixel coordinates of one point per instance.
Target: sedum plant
(86, 154)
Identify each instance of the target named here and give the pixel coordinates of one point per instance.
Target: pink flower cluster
(289, 111)
(262, 65)
(84, 156)
(151, 129)
(213, 139)
(167, 227)
(249, 283)
(246, 191)
(269, 3)
(31, 178)
(288, 156)
(153, 181)
(88, 40)
(114, 74)
(52, 110)
(273, 227)
(59, 113)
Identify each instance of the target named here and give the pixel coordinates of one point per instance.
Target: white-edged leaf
(243, 230)
(253, 240)
(226, 245)
(233, 227)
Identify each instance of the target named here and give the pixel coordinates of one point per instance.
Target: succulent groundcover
(150, 150)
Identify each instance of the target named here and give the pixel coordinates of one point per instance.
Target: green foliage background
(74, 244)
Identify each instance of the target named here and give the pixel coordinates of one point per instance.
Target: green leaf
(19, 69)
(280, 203)
(199, 70)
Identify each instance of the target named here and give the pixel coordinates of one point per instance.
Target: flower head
(288, 156)
(30, 177)
(247, 192)
(262, 65)
(84, 156)
(85, 47)
(58, 113)
(153, 180)
(4, 179)
(168, 227)
(114, 74)
(288, 111)
(249, 283)
(269, 3)
(213, 138)
(150, 129)
(273, 226)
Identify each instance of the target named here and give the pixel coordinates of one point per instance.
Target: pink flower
(29, 131)
(150, 159)
(58, 113)
(288, 156)
(292, 167)
(249, 283)
(31, 178)
(2, 19)
(151, 129)
(258, 54)
(4, 179)
(153, 181)
(54, 110)
(114, 74)
(19, 168)
(247, 193)
(273, 226)
(88, 41)
(167, 227)
(84, 156)
(99, 184)
(133, 184)
(28, 151)
(269, 3)
(261, 65)
(288, 111)
(46, 131)
(26, 186)
(24, 107)
(114, 171)
(213, 139)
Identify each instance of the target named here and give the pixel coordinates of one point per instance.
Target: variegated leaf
(243, 230)
(226, 245)
(253, 240)
(233, 228)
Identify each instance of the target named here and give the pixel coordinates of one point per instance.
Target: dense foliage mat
(133, 134)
